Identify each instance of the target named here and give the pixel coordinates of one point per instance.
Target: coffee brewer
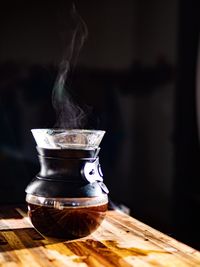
(67, 199)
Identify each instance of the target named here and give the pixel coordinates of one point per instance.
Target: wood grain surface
(120, 241)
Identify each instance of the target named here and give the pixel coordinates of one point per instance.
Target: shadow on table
(108, 252)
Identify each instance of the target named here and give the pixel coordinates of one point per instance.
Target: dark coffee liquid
(68, 223)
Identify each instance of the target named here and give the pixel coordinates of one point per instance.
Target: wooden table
(120, 241)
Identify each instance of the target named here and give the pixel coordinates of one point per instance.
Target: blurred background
(137, 74)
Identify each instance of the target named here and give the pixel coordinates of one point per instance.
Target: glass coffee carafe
(67, 199)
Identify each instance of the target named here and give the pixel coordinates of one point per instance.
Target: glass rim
(68, 130)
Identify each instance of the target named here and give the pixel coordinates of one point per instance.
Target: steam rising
(69, 114)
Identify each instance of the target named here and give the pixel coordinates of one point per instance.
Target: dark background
(137, 73)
